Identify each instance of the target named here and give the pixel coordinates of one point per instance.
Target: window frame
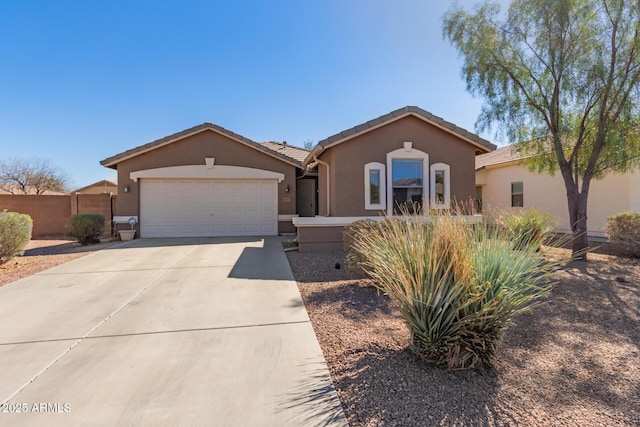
(407, 153)
(368, 168)
(446, 169)
(521, 194)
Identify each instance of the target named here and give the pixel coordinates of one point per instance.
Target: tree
(308, 144)
(31, 176)
(560, 77)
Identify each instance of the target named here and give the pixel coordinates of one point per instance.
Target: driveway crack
(96, 327)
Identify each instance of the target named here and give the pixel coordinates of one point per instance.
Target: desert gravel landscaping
(574, 361)
(44, 253)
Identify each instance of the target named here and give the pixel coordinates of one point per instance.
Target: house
(503, 182)
(372, 169)
(104, 186)
(209, 181)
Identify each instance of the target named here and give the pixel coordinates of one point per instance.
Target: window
(440, 186)
(407, 185)
(407, 179)
(517, 194)
(478, 198)
(374, 186)
(439, 192)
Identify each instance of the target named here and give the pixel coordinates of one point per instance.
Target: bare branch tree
(32, 176)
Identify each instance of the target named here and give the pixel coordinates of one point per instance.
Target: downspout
(317, 161)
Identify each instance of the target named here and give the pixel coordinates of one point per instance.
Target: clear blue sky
(84, 80)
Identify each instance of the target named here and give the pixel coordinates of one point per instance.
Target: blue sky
(84, 80)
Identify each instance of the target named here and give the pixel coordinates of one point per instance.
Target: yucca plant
(457, 285)
(529, 227)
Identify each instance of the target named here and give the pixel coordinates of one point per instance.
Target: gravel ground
(575, 361)
(44, 253)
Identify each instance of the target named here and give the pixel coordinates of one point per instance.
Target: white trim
(124, 219)
(331, 221)
(343, 221)
(382, 187)
(447, 186)
(402, 154)
(202, 171)
(287, 217)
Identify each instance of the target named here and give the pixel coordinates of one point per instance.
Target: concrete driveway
(164, 332)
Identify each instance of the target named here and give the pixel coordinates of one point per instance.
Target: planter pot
(126, 235)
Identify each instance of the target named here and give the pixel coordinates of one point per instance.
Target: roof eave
(317, 150)
(485, 146)
(111, 162)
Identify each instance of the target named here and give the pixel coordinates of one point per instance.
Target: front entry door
(306, 197)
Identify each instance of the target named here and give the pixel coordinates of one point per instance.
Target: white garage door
(208, 207)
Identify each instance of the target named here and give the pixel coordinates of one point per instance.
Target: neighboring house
(504, 182)
(104, 186)
(208, 181)
(17, 190)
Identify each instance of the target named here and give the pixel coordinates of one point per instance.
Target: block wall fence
(50, 212)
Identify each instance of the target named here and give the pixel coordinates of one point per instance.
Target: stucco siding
(547, 193)
(319, 238)
(634, 191)
(348, 159)
(192, 151)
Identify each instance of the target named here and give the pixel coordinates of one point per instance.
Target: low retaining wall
(322, 233)
(50, 212)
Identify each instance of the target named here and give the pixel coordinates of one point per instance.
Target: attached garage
(208, 207)
(208, 181)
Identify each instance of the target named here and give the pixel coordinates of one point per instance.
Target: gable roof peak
(206, 126)
(394, 115)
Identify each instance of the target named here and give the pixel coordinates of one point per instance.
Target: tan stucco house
(209, 181)
(503, 182)
(104, 186)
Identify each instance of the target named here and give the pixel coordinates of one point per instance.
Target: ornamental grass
(458, 285)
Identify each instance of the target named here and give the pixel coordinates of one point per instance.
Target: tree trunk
(577, 203)
(579, 228)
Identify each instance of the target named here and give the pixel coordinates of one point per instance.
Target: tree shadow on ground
(578, 353)
(314, 400)
(422, 394)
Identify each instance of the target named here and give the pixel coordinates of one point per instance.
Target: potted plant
(126, 235)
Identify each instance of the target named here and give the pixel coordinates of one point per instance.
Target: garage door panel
(191, 208)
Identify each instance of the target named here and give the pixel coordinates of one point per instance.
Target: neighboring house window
(440, 186)
(407, 181)
(374, 186)
(517, 194)
(478, 198)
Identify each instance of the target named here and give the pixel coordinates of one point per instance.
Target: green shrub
(528, 228)
(457, 285)
(624, 229)
(15, 233)
(353, 258)
(86, 228)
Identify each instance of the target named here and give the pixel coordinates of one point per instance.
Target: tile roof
(295, 153)
(505, 154)
(402, 112)
(113, 160)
